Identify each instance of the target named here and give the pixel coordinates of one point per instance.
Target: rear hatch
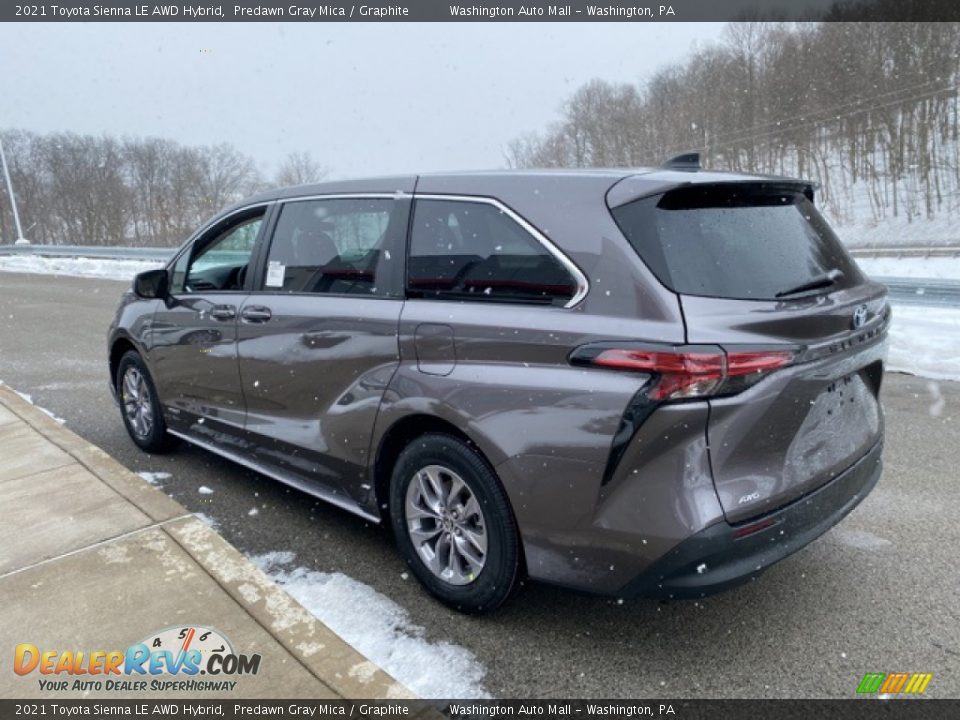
(757, 268)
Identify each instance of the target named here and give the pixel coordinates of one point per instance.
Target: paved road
(877, 594)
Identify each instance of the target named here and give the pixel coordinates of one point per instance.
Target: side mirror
(151, 284)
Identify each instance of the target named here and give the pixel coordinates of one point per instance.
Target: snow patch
(77, 266)
(50, 414)
(154, 477)
(207, 520)
(379, 629)
(938, 401)
(939, 268)
(310, 648)
(112, 554)
(204, 490)
(270, 560)
(363, 671)
(925, 341)
(250, 593)
(29, 399)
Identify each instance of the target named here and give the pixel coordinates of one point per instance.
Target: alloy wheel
(446, 525)
(137, 404)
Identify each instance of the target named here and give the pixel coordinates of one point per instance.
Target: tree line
(868, 110)
(99, 190)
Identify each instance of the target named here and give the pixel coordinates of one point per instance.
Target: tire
(462, 583)
(141, 412)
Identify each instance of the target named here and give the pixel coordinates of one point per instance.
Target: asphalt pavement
(876, 594)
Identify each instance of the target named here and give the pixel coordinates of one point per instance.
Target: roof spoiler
(687, 161)
(690, 162)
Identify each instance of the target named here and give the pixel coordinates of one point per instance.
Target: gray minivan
(649, 382)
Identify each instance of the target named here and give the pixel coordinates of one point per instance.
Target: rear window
(743, 241)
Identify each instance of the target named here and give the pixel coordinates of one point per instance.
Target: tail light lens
(690, 372)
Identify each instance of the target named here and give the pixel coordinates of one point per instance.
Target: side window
(337, 246)
(180, 272)
(218, 261)
(474, 251)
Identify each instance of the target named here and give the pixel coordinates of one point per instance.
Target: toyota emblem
(859, 317)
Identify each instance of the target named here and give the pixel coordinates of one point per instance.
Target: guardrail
(922, 291)
(91, 251)
(914, 291)
(932, 251)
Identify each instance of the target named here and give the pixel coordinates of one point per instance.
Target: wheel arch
(118, 348)
(408, 428)
(400, 434)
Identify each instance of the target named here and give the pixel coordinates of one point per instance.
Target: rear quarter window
(742, 241)
(466, 250)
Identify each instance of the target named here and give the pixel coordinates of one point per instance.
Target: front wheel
(453, 523)
(140, 406)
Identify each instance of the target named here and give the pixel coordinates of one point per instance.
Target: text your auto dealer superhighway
(322, 11)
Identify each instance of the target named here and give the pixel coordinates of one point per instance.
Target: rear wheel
(140, 406)
(453, 523)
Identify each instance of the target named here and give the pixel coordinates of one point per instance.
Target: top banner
(485, 11)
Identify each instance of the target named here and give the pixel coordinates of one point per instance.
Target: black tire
(502, 567)
(156, 439)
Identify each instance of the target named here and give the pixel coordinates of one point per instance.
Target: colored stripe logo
(894, 683)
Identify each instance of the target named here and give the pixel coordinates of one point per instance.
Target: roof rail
(687, 161)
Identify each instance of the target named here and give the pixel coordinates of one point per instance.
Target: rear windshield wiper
(820, 281)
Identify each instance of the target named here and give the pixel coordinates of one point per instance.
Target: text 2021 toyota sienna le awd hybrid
(630, 382)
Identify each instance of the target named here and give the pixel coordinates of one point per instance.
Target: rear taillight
(690, 372)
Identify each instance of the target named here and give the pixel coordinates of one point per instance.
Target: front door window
(220, 260)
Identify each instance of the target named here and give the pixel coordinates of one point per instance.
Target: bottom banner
(679, 709)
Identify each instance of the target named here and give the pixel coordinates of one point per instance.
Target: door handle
(223, 312)
(256, 314)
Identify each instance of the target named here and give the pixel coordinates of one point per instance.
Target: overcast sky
(363, 99)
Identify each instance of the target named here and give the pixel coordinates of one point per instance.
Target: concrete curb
(35, 449)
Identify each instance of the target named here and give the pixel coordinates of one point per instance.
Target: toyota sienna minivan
(647, 382)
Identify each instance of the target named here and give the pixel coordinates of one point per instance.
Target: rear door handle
(256, 314)
(223, 312)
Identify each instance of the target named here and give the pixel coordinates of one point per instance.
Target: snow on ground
(50, 414)
(941, 268)
(925, 341)
(77, 267)
(380, 629)
(204, 490)
(207, 520)
(853, 212)
(865, 231)
(154, 477)
(29, 399)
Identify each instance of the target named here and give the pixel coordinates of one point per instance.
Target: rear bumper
(718, 558)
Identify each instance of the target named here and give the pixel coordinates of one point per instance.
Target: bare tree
(299, 168)
(87, 190)
(225, 176)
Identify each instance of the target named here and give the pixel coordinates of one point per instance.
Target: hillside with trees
(867, 110)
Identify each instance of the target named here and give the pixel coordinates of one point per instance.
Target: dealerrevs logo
(171, 659)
